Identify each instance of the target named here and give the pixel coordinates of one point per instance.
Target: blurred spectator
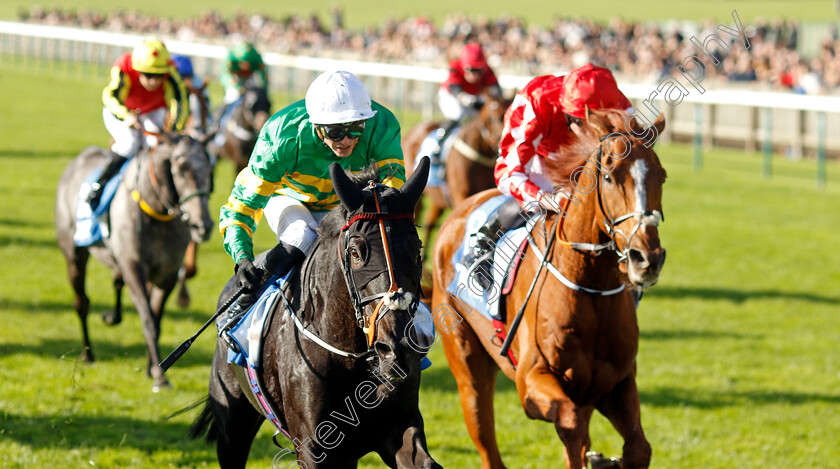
(634, 51)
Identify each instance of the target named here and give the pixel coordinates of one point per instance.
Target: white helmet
(337, 97)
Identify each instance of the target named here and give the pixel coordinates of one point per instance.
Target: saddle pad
(437, 173)
(247, 333)
(467, 291)
(90, 225)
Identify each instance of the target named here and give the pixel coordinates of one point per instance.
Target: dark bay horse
(575, 349)
(244, 127)
(159, 207)
(469, 165)
(362, 395)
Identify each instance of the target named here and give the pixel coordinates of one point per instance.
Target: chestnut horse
(575, 350)
(469, 165)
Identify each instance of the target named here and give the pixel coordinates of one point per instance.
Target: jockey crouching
(288, 180)
(461, 95)
(144, 90)
(242, 68)
(527, 139)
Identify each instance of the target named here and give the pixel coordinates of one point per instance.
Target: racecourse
(738, 363)
(360, 14)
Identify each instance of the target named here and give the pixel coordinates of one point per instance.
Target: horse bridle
(172, 211)
(645, 218)
(383, 218)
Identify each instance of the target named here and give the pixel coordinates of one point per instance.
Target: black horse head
(380, 256)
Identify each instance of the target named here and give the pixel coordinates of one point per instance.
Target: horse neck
(324, 297)
(472, 135)
(581, 224)
(154, 185)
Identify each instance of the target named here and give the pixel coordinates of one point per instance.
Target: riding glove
(248, 275)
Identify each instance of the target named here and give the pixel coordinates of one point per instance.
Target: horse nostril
(637, 257)
(385, 351)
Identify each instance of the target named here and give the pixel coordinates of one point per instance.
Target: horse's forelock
(562, 163)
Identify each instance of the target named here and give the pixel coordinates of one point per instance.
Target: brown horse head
(622, 173)
(380, 256)
(491, 121)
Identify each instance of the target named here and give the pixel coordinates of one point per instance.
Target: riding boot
(113, 167)
(276, 263)
(441, 134)
(479, 262)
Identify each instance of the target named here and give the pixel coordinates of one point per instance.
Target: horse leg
(135, 278)
(475, 374)
(623, 409)
(544, 399)
(187, 271)
(430, 218)
(114, 316)
(235, 419)
(410, 445)
(157, 301)
(76, 272)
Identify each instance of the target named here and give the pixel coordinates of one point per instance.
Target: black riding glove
(248, 275)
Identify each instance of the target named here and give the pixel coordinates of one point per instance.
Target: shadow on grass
(104, 351)
(15, 223)
(27, 241)
(101, 432)
(36, 154)
(677, 397)
(736, 295)
(690, 334)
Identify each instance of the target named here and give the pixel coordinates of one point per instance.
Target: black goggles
(473, 70)
(338, 132)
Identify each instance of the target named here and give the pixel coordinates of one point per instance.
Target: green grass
(738, 361)
(361, 13)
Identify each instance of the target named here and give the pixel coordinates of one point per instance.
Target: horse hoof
(161, 385)
(111, 318)
(87, 356)
(183, 299)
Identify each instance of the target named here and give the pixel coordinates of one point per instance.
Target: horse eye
(607, 178)
(355, 253)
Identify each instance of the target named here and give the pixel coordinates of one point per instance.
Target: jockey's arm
(517, 148)
(387, 151)
(178, 99)
(271, 160)
(115, 93)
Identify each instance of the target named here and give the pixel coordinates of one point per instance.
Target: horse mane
(333, 222)
(561, 163)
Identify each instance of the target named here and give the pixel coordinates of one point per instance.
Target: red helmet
(593, 87)
(472, 56)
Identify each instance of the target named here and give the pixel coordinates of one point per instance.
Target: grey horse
(160, 205)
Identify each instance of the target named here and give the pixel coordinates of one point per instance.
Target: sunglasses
(473, 70)
(353, 130)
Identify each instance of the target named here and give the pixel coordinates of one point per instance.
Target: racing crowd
(642, 52)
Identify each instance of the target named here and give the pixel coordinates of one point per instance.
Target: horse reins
(171, 211)
(369, 325)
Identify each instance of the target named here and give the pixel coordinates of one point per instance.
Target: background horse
(469, 165)
(241, 133)
(171, 184)
(243, 127)
(338, 405)
(575, 349)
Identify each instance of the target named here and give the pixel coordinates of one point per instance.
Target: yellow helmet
(150, 56)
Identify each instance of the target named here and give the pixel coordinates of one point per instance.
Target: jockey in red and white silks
(469, 76)
(538, 122)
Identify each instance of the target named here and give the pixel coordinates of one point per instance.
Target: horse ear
(413, 187)
(659, 124)
(350, 195)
